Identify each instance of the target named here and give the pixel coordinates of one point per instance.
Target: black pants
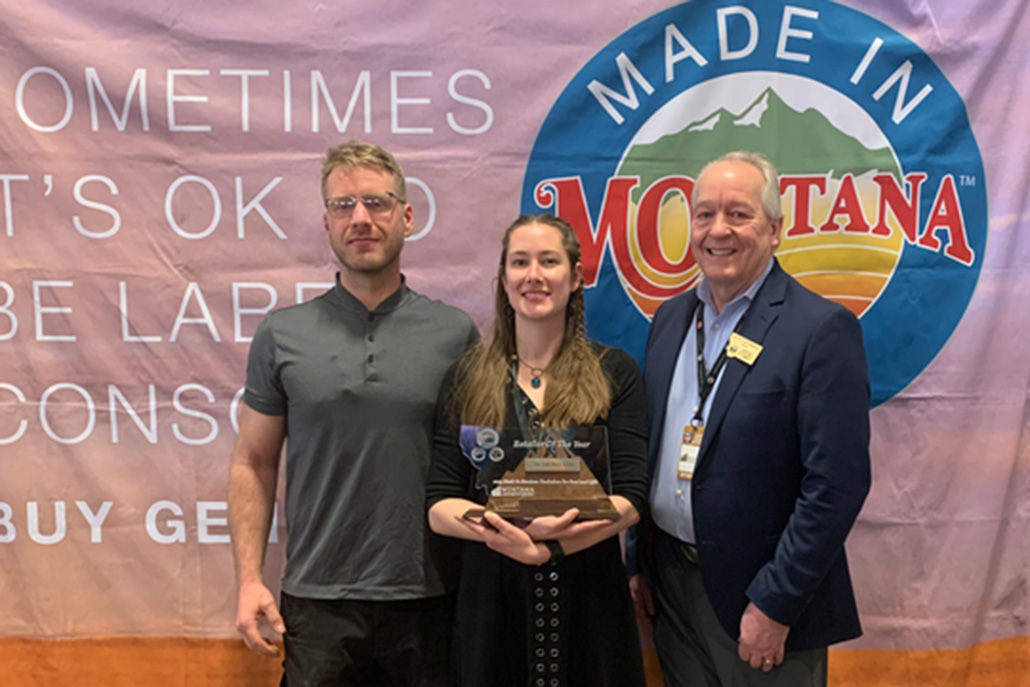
(366, 643)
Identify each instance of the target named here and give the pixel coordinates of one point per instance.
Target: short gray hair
(771, 190)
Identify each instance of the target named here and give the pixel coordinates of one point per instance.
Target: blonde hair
(578, 391)
(362, 154)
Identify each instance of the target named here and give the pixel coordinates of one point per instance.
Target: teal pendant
(535, 382)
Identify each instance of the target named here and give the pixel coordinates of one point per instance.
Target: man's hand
(254, 601)
(762, 639)
(641, 593)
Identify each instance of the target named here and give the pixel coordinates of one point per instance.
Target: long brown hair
(578, 391)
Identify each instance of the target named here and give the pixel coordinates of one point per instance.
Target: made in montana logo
(883, 188)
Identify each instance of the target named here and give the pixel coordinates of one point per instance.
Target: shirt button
(716, 326)
(371, 358)
(371, 338)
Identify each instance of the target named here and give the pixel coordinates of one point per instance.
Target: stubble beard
(369, 264)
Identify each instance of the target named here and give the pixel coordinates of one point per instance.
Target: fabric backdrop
(159, 185)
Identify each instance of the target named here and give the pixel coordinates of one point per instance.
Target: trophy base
(527, 509)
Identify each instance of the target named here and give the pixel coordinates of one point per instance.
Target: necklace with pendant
(535, 373)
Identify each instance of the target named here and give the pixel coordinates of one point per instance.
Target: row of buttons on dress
(547, 636)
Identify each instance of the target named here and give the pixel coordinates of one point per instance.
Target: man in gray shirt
(351, 378)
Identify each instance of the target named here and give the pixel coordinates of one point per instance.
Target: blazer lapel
(664, 367)
(759, 317)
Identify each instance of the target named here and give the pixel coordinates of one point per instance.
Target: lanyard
(706, 376)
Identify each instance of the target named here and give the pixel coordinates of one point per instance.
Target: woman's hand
(551, 526)
(562, 526)
(505, 538)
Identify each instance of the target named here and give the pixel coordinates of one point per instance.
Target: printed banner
(159, 187)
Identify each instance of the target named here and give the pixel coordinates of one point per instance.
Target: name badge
(690, 449)
(743, 349)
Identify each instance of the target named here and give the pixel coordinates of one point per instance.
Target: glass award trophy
(557, 470)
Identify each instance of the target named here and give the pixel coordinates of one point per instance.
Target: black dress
(565, 625)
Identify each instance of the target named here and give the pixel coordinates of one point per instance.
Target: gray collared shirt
(358, 389)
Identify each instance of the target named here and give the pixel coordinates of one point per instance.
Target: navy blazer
(784, 465)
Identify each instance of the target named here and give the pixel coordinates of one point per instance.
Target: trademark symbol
(966, 180)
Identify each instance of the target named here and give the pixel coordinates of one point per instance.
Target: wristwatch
(557, 552)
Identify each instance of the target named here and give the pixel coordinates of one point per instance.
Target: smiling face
(731, 236)
(366, 243)
(538, 276)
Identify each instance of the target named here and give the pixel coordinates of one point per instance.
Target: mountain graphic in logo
(769, 126)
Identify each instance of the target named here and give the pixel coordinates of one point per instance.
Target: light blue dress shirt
(670, 495)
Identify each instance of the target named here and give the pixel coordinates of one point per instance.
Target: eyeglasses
(376, 204)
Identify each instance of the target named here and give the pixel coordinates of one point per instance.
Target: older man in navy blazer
(758, 397)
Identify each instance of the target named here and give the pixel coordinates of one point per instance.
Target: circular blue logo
(883, 188)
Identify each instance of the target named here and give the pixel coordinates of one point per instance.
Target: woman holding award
(542, 602)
